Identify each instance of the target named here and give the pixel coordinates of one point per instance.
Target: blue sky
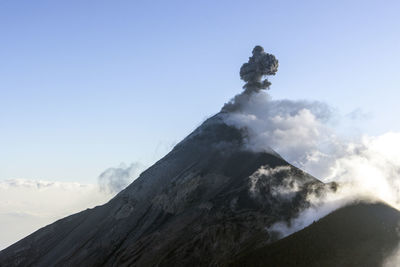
(86, 85)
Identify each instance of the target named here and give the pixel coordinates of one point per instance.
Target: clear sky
(86, 85)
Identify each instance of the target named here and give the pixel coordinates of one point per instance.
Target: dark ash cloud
(259, 65)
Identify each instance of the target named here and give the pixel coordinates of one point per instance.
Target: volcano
(208, 202)
(199, 205)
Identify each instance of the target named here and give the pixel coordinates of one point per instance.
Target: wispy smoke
(114, 180)
(321, 204)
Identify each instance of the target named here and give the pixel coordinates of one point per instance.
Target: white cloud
(27, 205)
(292, 128)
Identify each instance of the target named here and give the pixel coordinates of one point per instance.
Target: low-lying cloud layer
(27, 205)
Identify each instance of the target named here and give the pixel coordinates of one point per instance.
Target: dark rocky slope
(202, 204)
(357, 235)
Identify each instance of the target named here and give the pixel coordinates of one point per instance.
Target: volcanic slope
(203, 203)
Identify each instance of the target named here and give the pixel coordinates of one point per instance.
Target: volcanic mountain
(208, 202)
(200, 205)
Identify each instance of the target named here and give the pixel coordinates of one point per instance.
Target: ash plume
(259, 65)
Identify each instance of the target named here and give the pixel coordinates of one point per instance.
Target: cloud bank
(27, 205)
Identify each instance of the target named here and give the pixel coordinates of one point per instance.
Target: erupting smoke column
(259, 65)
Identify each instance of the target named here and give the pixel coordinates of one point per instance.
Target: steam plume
(302, 133)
